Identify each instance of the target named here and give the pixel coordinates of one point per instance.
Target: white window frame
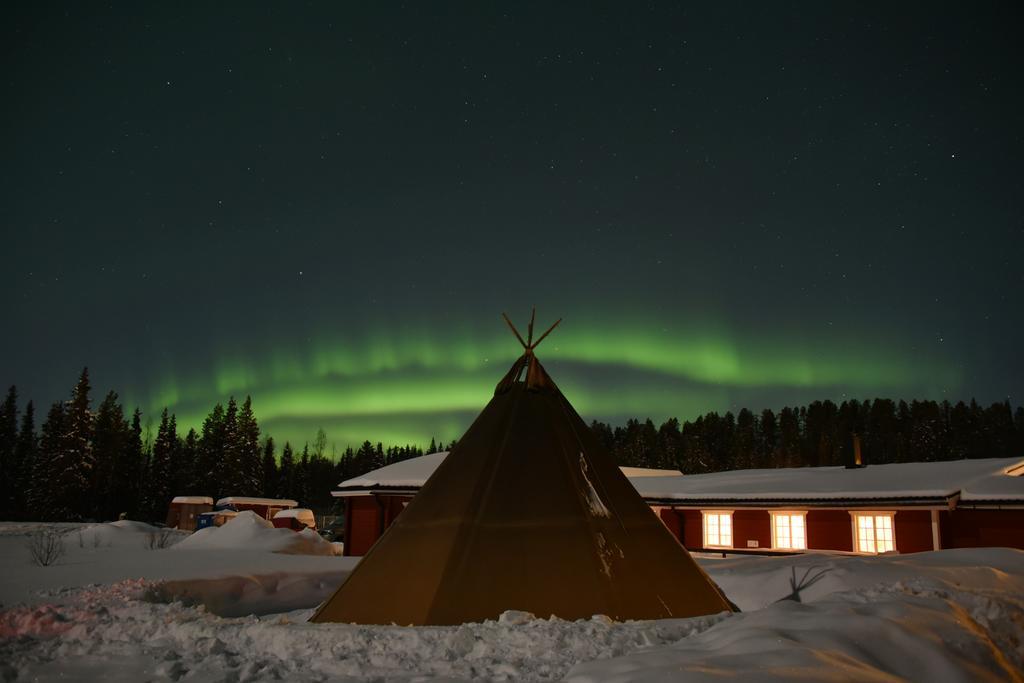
(704, 514)
(855, 517)
(789, 513)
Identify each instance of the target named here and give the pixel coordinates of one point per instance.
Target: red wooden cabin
(905, 507)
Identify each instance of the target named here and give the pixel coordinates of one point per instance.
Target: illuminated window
(789, 530)
(717, 529)
(873, 532)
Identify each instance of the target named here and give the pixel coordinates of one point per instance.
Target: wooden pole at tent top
(529, 345)
(541, 337)
(515, 331)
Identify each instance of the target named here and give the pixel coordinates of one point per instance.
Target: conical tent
(528, 512)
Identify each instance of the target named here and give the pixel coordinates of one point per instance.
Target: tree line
(820, 434)
(101, 464)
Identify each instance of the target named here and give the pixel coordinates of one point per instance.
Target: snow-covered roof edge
(1004, 487)
(294, 512)
(192, 500)
(246, 500)
(994, 479)
(414, 472)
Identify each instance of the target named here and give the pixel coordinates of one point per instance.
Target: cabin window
(717, 528)
(873, 532)
(789, 530)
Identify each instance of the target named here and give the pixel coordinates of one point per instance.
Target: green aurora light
(407, 385)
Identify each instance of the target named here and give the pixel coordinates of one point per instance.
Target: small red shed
(184, 510)
(296, 519)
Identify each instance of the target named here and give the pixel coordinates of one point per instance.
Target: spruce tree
(46, 499)
(879, 441)
(849, 424)
(668, 444)
(286, 474)
(364, 458)
(270, 474)
(159, 479)
(25, 452)
(8, 442)
(185, 480)
(302, 478)
(767, 438)
(75, 468)
(250, 461)
(789, 439)
(110, 436)
(234, 479)
(128, 475)
(746, 440)
(320, 480)
(210, 465)
(343, 469)
(1018, 429)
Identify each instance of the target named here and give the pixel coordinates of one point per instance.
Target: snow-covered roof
(413, 473)
(269, 502)
(410, 473)
(1006, 486)
(298, 513)
(934, 480)
(192, 500)
(991, 479)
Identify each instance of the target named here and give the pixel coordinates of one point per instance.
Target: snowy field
(231, 604)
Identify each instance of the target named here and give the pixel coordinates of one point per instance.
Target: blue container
(205, 519)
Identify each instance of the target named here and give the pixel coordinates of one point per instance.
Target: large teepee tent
(528, 512)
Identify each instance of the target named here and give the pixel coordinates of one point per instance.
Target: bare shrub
(46, 546)
(159, 539)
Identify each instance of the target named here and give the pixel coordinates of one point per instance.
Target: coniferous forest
(97, 462)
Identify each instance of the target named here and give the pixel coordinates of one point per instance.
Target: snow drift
(948, 616)
(249, 531)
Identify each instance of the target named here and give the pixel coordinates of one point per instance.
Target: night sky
(328, 206)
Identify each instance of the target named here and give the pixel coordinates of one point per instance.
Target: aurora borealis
(407, 387)
(329, 207)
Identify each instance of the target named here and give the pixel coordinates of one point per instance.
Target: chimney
(858, 461)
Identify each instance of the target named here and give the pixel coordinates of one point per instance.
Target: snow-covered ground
(116, 610)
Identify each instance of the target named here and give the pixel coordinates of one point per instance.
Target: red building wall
(688, 526)
(393, 506)
(829, 530)
(751, 525)
(183, 515)
(693, 529)
(964, 528)
(362, 524)
(913, 530)
(368, 517)
(672, 521)
(364, 515)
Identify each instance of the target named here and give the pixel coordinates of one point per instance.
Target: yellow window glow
(717, 529)
(790, 530)
(874, 533)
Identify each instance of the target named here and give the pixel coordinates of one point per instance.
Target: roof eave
(864, 503)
